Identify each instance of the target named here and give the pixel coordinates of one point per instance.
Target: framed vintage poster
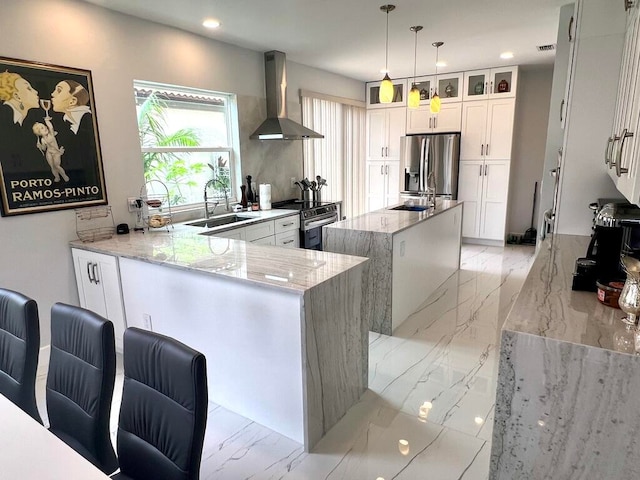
(49, 146)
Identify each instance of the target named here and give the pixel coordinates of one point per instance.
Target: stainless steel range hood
(277, 126)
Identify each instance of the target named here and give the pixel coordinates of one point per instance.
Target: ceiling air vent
(546, 48)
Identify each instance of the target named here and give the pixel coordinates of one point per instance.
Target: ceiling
(348, 36)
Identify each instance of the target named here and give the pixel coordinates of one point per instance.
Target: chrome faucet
(207, 213)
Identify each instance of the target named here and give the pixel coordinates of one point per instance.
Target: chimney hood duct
(277, 126)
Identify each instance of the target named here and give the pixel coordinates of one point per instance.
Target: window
(187, 138)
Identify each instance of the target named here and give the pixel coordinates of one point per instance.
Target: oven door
(311, 231)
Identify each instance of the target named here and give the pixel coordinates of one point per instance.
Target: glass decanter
(629, 300)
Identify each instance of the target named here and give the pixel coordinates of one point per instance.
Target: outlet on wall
(293, 182)
(133, 203)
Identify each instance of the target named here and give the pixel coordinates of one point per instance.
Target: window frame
(233, 132)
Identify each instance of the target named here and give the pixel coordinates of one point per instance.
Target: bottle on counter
(250, 194)
(243, 200)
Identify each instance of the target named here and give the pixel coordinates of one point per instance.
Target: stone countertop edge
(389, 221)
(294, 270)
(547, 307)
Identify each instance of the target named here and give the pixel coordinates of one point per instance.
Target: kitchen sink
(219, 221)
(415, 208)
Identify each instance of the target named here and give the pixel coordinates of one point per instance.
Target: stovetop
(295, 204)
(307, 209)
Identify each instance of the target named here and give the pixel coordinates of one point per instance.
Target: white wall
(529, 141)
(35, 255)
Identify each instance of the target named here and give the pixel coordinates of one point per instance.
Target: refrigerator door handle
(424, 167)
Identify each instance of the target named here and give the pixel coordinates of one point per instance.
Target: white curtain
(339, 157)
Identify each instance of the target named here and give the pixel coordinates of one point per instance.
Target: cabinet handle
(491, 91)
(435, 122)
(287, 242)
(607, 150)
(95, 273)
(386, 150)
(381, 169)
(287, 224)
(480, 170)
(612, 162)
(386, 170)
(486, 150)
(619, 169)
(570, 35)
(89, 272)
(482, 150)
(382, 151)
(430, 122)
(486, 170)
(561, 109)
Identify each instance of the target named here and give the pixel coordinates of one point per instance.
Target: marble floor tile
(443, 357)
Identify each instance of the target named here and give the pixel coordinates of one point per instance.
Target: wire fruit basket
(95, 223)
(156, 207)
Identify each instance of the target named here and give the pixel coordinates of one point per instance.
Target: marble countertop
(292, 269)
(547, 307)
(394, 221)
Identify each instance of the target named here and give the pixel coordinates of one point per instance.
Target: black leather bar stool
(82, 372)
(163, 414)
(19, 349)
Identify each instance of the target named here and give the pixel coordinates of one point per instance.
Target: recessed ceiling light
(506, 55)
(211, 23)
(441, 64)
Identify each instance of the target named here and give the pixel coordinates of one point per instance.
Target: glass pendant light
(385, 94)
(434, 104)
(414, 93)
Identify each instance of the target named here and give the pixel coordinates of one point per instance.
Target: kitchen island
(568, 380)
(281, 329)
(411, 253)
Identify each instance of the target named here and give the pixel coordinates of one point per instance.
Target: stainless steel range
(313, 216)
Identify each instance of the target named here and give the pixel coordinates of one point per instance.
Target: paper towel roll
(265, 196)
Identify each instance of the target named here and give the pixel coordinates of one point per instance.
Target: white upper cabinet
(622, 151)
(399, 94)
(421, 120)
(487, 130)
(490, 83)
(384, 129)
(448, 86)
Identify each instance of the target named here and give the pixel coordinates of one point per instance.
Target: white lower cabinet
(253, 233)
(283, 231)
(98, 282)
(483, 186)
(288, 239)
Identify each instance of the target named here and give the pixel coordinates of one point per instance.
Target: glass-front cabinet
(490, 83)
(399, 94)
(448, 86)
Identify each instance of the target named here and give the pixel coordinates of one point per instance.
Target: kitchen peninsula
(411, 254)
(568, 382)
(281, 329)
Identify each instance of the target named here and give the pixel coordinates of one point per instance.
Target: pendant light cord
(415, 56)
(386, 51)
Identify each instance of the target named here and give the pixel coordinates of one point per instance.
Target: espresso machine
(616, 232)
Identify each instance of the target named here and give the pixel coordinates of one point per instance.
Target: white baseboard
(483, 241)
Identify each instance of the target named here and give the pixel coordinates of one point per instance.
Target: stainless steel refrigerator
(421, 155)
